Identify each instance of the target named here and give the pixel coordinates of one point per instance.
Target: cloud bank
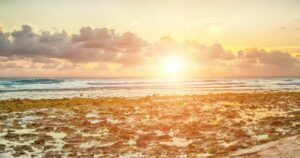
(105, 50)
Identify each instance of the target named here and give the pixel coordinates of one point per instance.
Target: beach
(149, 79)
(207, 125)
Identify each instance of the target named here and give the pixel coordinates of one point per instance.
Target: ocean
(37, 88)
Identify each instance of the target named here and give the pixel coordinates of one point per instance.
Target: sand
(283, 148)
(213, 125)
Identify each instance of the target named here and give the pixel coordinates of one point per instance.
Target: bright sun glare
(173, 65)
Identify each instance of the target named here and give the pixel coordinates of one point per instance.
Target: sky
(134, 38)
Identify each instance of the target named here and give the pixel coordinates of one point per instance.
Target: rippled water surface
(76, 87)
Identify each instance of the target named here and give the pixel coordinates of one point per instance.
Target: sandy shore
(286, 147)
(214, 125)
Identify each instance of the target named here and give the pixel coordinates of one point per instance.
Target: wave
(29, 81)
(210, 80)
(119, 83)
(288, 80)
(288, 84)
(142, 83)
(133, 87)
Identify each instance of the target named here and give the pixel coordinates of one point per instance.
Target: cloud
(190, 49)
(108, 40)
(4, 43)
(103, 48)
(55, 38)
(273, 58)
(89, 45)
(211, 53)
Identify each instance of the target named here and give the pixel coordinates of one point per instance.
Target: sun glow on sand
(173, 65)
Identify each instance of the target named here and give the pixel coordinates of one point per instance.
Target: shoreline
(206, 125)
(216, 92)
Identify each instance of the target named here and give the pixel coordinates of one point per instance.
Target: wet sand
(213, 125)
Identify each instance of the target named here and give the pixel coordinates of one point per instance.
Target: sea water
(37, 88)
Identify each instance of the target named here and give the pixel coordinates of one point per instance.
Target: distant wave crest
(29, 81)
(288, 84)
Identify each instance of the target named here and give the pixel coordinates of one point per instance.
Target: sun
(173, 65)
